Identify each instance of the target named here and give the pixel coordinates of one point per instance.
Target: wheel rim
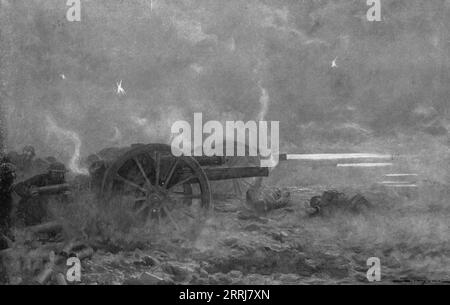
(159, 187)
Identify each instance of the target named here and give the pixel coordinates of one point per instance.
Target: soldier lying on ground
(32, 208)
(7, 176)
(331, 201)
(262, 199)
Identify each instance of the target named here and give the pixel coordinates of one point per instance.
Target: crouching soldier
(37, 191)
(7, 176)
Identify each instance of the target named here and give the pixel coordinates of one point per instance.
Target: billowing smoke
(117, 138)
(182, 57)
(68, 141)
(264, 101)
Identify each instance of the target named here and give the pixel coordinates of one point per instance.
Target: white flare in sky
(334, 64)
(197, 68)
(231, 45)
(140, 121)
(120, 90)
(64, 136)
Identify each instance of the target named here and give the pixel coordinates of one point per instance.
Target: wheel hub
(157, 199)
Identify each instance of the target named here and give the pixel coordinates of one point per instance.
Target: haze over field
(339, 85)
(316, 66)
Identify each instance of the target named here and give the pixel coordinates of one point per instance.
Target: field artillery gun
(156, 185)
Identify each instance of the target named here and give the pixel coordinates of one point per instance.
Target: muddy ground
(285, 246)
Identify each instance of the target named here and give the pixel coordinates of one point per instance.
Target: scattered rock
(60, 279)
(197, 280)
(222, 279)
(289, 278)
(179, 273)
(147, 261)
(85, 253)
(203, 273)
(148, 278)
(132, 282)
(235, 274)
(248, 215)
(252, 227)
(279, 236)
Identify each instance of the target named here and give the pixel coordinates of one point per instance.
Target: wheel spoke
(158, 214)
(171, 172)
(184, 196)
(246, 183)
(169, 215)
(141, 169)
(157, 159)
(183, 181)
(237, 187)
(142, 209)
(130, 183)
(140, 199)
(187, 213)
(164, 193)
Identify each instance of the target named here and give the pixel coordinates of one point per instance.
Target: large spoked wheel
(170, 192)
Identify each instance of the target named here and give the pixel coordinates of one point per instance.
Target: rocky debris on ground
(236, 246)
(39, 255)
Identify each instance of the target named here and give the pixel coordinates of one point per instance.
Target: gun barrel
(215, 174)
(210, 161)
(202, 160)
(53, 189)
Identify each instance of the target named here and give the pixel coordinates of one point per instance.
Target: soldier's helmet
(7, 169)
(57, 167)
(91, 159)
(29, 150)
